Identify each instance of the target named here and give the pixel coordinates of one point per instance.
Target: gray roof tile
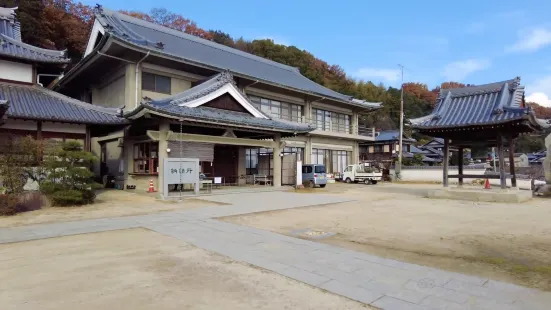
(39, 103)
(170, 106)
(12, 46)
(197, 50)
(488, 104)
(391, 135)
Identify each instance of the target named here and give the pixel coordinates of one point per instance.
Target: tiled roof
(488, 104)
(171, 106)
(12, 46)
(39, 103)
(391, 135)
(173, 43)
(415, 150)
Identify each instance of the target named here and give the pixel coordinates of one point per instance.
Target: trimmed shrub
(70, 197)
(8, 204)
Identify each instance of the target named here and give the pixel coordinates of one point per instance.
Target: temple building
(144, 93)
(490, 115)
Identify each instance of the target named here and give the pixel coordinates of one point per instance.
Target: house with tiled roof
(240, 114)
(385, 146)
(29, 108)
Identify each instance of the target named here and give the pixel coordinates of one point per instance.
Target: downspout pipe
(137, 75)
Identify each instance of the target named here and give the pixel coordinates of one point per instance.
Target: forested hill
(65, 24)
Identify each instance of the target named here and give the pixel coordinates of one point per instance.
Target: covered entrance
(216, 124)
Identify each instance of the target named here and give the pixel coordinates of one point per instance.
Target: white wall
(20, 124)
(15, 71)
(62, 127)
(436, 175)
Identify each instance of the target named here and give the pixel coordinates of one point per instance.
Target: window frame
(156, 88)
(145, 155)
(279, 109)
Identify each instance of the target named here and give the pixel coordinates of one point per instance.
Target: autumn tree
(541, 111)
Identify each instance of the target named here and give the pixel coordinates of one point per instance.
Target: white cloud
(531, 40)
(540, 91)
(539, 98)
(390, 75)
(459, 70)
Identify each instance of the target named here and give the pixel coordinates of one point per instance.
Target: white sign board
(180, 171)
(217, 180)
(299, 173)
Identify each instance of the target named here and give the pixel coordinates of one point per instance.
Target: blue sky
(467, 41)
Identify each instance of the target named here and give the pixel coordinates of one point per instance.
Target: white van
(362, 173)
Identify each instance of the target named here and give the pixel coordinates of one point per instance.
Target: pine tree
(69, 180)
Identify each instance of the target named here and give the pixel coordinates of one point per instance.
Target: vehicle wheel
(322, 185)
(367, 181)
(373, 182)
(312, 184)
(348, 180)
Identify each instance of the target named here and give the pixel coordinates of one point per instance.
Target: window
(306, 169)
(319, 169)
(251, 165)
(283, 110)
(340, 160)
(319, 156)
(348, 169)
(378, 148)
(146, 157)
(331, 121)
(156, 83)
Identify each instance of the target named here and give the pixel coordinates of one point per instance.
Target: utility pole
(399, 167)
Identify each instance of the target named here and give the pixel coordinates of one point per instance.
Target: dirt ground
(508, 242)
(140, 269)
(109, 203)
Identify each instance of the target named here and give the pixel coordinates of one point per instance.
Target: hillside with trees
(65, 24)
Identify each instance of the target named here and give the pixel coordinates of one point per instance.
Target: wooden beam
(474, 176)
(173, 136)
(460, 165)
(512, 162)
(502, 179)
(446, 161)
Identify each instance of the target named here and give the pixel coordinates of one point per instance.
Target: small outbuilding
(487, 115)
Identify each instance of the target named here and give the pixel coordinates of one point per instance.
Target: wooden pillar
(460, 165)
(39, 130)
(446, 161)
(512, 162)
(277, 161)
(502, 179)
(87, 140)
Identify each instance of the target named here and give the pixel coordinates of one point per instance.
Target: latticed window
(146, 157)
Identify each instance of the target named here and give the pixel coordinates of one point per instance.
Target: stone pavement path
(380, 282)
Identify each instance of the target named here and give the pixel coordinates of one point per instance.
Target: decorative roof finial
(98, 9)
(8, 14)
(160, 45)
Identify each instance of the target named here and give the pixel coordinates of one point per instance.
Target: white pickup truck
(362, 173)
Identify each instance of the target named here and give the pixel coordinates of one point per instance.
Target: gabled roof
(185, 47)
(188, 106)
(415, 150)
(34, 102)
(489, 104)
(12, 46)
(391, 135)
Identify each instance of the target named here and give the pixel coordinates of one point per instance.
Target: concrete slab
(487, 195)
